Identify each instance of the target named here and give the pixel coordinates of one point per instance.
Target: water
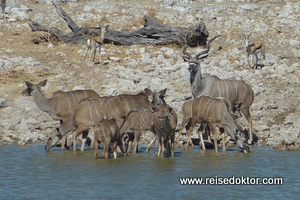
(32, 173)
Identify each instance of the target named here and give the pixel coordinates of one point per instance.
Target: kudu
(108, 133)
(215, 112)
(143, 119)
(95, 43)
(238, 92)
(61, 105)
(254, 47)
(164, 127)
(90, 111)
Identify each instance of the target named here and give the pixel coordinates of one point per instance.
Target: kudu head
(241, 141)
(53, 140)
(31, 87)
(156, 98)
(162, 113)
(194, 62)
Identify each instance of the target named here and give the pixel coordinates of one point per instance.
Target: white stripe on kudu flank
(116, 107)
(219, 90)
(90, 110)
(70, 108)
(236, 89)
(205, 106)
(73, 98)
(210, 102)
(85, 95)
(142, 115)
(125, 101)
(227, 92)
(95, 108)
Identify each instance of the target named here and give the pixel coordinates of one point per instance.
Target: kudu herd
(118, 121)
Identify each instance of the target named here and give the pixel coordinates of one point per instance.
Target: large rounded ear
(153, 109)
(163, 92)
(28, 84)
(148, 92)
(43, 83)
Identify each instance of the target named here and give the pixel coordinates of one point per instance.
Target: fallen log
(152, 32)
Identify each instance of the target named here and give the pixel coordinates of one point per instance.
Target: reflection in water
(32, 173)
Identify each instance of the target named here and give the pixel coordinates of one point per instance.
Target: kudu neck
(195, 75)
(42, 103)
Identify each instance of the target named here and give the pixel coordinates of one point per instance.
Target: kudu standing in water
(108, 133)
(215, 112)
(238, 92)
(143, 119)
(90, 111)
(61, 105)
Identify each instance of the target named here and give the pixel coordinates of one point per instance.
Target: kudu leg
(215, 133)
(75, 133)
(151, 143)
(248, 116)
(162, 148)
(96, 150)
(223, 142)
(172, 145)
(190, 129)
(136, 140)
(84, 138)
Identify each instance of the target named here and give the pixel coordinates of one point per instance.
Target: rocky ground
(129, 69)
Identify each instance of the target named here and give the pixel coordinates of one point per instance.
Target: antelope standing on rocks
(95, 43)
(90, 111)
(254, 47)
(238, 92)
(61, 105)
(215, 112)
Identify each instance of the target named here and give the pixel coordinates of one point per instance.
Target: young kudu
(253, 48)
(90, 111)
(108, 133)
(95, 43)
(238, 92)
(61, 105)
(143, 119)
(215, 112)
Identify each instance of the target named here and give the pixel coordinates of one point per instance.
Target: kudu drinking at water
(90, 111)
(238, 92)
(148, 118)
(61, 105)
(215, 112)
